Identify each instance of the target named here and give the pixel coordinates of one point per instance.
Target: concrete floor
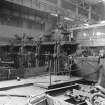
(28, 90)
(44, 81)
(38, 79)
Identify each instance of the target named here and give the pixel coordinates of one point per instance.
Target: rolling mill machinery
(58, 53)
(48, 54)
(90, 90)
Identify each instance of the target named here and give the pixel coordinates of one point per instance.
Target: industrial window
(83, 12)
(53, 1)
(68, 5)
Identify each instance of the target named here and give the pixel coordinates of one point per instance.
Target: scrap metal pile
(92, 70)
(86, 95)
(79, 95)
(88, 91)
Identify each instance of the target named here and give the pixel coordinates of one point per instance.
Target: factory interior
(52, 52)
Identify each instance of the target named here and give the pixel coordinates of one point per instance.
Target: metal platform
(56, 81)
(42, 81)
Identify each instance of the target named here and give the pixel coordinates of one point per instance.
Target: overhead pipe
(87, 27)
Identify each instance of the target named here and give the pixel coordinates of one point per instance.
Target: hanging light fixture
(86, 24)
(54, 14)
(69, 19)
(103, 21)
(102, 1)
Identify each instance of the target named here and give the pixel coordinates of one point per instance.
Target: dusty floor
(23, 91)
(12, 96)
